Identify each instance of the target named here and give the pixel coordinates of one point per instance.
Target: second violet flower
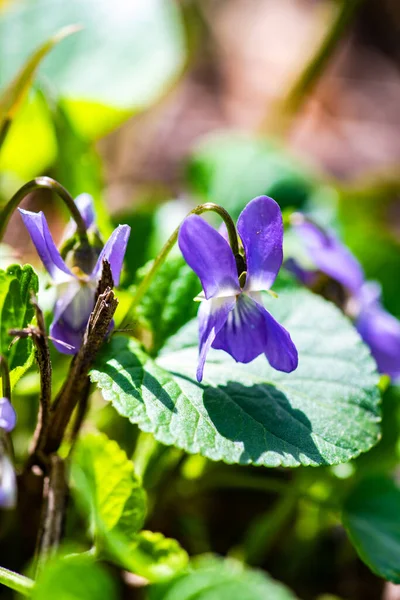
(76, 285)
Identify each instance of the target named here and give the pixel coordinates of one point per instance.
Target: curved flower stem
(312, 72)
(5, 378)
(159, 260)
(37, 184)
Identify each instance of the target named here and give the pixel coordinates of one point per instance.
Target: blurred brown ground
(249, 53)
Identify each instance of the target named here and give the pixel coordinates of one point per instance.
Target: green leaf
(231, 169)
(16, 312)
(326, 412)
(12, 97)
(106, 480)
(74, 579)
(106, 486)
(213, 578)
(122, 60)
(168, 304)
(152, 555)
(371, 517)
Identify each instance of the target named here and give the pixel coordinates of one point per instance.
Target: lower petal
(72, 311)
(212, 317)
(381, 332)
(244, 334)
(280, 349)
(65, 339)
(250, 330)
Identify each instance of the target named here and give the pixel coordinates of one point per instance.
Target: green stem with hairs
(15, 581)
(49, 184)
(5, 378)
(160, 259)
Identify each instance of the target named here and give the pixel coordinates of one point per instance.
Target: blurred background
(157, 105)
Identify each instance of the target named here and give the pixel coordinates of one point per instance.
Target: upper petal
(38, 229)
(85, 205)
(210, 256)
(113, 251)
(212, 316)
(261, 230)
(331, 256)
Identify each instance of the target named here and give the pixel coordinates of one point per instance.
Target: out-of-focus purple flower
(379, 329)
(231, 316)
(76, 286)
(8, 417)
(8, 481)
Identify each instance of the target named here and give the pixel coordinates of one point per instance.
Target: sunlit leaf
(325, 412)
(212, 578)
(16, 312)
(106, 476)
(75, 579)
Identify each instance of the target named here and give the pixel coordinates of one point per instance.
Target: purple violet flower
(232, 316)
(76, 287)
(8, 417)
(379, 329)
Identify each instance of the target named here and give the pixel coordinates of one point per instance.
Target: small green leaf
(105, 479)
(16, 312)
(151, 555)
(326, 412)
(75, 578)
(212, 578)
(169, 302)
(231, 168)
(371, 517)
(106, 486)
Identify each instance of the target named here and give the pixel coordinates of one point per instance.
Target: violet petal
(210, 257)
(113, 251)
(38, 229)
(243, 335)
(261, 230)
(8, 483)
(85, 205)
(381, 332)
(331, 256)
(71, 313)
(212, 316)
(8, 417)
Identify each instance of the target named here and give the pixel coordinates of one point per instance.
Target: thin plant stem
(52, 521)
(281, 118)
(49, 184)
(5, 378)
(160, 259)
(19, 583)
